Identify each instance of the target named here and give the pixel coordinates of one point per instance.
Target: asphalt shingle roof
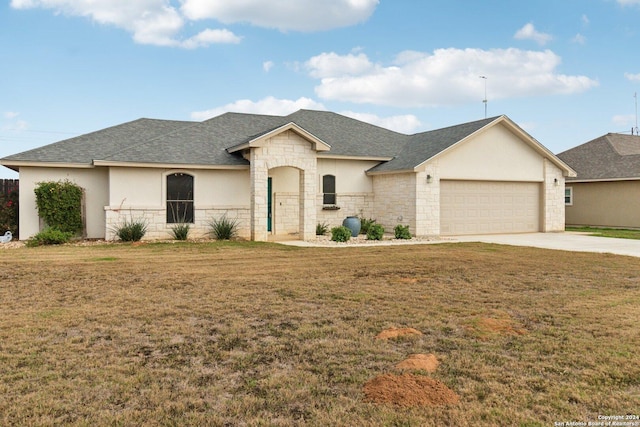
(611, 156)
(96, 145)
(206, 143)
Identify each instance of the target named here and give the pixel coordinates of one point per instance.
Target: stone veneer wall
(428, 201)
(286, 213)
(351, 204)
(553, 198)
(157, 227)
(284, 149)
(395, 200)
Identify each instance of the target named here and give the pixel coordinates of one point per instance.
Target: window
(568, 196)
(179, 198)
(329, 190)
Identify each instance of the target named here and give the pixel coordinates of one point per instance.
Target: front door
(269, 209)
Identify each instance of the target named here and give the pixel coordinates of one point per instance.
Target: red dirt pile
(423, 362)
(409, 390)
(500, 323)
(397, 332)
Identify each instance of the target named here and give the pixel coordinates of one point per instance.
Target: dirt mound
(409, 390)
(500, 323)
(425, 362)
(397, 332)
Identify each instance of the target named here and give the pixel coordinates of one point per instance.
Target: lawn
(619, 233)
(229, 334)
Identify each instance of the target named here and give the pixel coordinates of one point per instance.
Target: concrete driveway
(576, 242)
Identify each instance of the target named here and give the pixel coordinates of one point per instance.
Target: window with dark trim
(328, 190)
(179, 198)
(568, 196)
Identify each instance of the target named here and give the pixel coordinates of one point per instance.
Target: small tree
(60, 205)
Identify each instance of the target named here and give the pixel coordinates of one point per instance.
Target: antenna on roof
(635, 95)
(485, 95)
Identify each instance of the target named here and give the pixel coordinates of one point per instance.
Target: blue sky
(566, 71)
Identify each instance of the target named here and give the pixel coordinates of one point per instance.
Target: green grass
(232, 333)
(618, 233)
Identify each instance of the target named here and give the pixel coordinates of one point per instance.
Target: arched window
(179, 198)
(329, 190)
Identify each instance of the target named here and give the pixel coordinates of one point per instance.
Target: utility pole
(485, 96)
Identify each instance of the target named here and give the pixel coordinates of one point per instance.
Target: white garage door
(484, 207)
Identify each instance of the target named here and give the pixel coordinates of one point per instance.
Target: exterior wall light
(555, 182)
(429, 179)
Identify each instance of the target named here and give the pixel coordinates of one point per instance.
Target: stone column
(259, 175)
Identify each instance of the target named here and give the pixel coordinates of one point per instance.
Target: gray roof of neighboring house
(206, 143)
(609, 157)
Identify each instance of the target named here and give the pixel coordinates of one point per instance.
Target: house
(606, 191)
(282, 175)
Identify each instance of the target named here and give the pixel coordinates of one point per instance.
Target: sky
(566, 71)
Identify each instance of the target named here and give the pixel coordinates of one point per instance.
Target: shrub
(50, 236)
(223, 228)
(60, 205)
(402, 232)
(9, 213)
(131, 230)
(180, 231)
(340, 234)
(321, 229)
(375, 232)
(365, 224)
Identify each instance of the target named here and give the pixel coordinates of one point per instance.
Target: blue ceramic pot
(353, 224)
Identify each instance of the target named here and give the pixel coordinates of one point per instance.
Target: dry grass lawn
(262, 334)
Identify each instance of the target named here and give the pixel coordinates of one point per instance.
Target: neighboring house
(606, 191)
(282, 175)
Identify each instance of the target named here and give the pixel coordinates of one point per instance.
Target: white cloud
(579, 38)
(404, 123)
(332, 64)
(267, 66)
(153, 22)
(297, 15)
(629, 2)
(446, 77)
(10, 115)
(624, 120)
(585, 20)
(632, 77)
(529, 32)
(268, 105)
(12, 123)
(208, 37)
(282, 107)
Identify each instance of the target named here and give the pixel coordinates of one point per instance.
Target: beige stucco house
(282, 175)
(606, 191)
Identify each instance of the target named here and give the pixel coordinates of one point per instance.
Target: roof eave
(109, 163)
(571, 181)
(17, 164)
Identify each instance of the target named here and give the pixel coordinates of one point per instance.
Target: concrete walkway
(576, 242)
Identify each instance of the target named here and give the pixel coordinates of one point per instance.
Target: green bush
(50, 236)
(131, 230)
(402, 232)
(9, 213)
(340, 234)
(375, 232)
(321, 229)
(365, 224)
(60, 205)
(180, 231)
(223, 228)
